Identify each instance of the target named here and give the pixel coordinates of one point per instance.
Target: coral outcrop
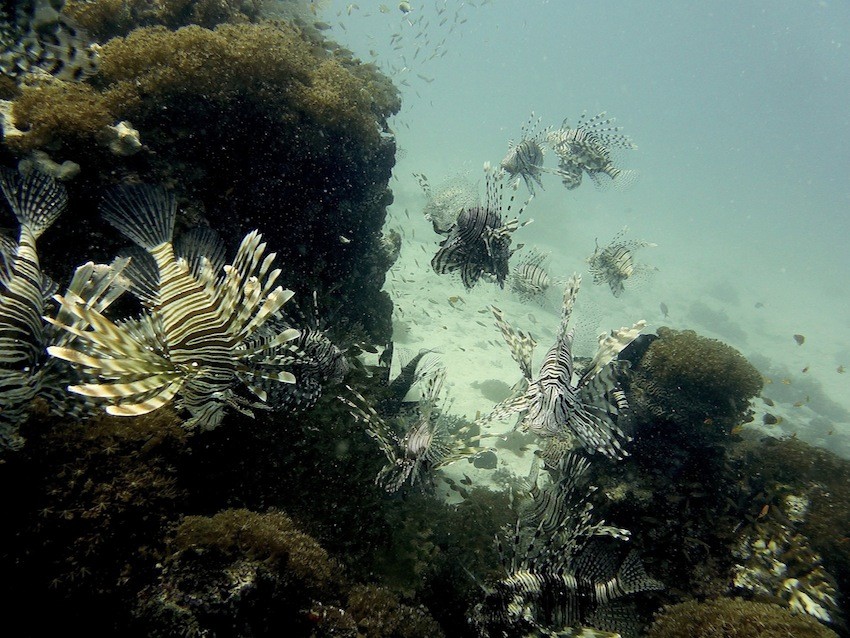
(734, 618)
(257, 124)
(694, 382)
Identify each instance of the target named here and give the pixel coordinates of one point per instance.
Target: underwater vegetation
(733, 618)
(695, 382)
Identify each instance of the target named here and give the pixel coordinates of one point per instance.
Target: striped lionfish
(614, 263)
(530, 278)
(525, 157)
(40, 37)
(591, 147)
(37, 200)
(479, 242)
(422, 446)
(201, 336)
(552, 405)
(316, 362)
(561, 579)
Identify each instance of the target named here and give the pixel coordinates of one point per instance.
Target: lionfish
(525, 157)
(530, 278)
(37, 200)
(423, 445)
(317, 363)
(590, 148)
(444, 204)
(555, 406)
(561, 577)
(200, 338)
(479, 242)
(410, 372)
(614, 263)
(40, 37)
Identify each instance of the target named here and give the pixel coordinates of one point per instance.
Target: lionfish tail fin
(143, 213)
(36, 199)
(632, 577)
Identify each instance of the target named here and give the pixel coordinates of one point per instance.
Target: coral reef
(780, 475)
(733, 618)
(775, 563)
(56, 113)
(106, 19)
(379, 614)
(695, 382)
(90, 506)
(237, 572)
(240, 573)
(267, 120)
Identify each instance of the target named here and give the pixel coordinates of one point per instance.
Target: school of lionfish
(214, 337)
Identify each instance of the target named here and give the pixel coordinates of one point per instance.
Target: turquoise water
(739, 114)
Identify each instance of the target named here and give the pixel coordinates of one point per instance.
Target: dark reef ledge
(256, 125)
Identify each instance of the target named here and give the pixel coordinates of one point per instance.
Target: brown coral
(734, 618)
(56, 112)
(272, 538)
(380, 614)
(689, 379)
(104, 19)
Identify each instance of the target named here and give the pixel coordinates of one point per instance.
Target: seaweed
(733, 618)
(689, 380)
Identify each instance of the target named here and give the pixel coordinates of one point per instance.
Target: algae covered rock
(238, 572)
(262, 125)
(690, 380)
(734, 618)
